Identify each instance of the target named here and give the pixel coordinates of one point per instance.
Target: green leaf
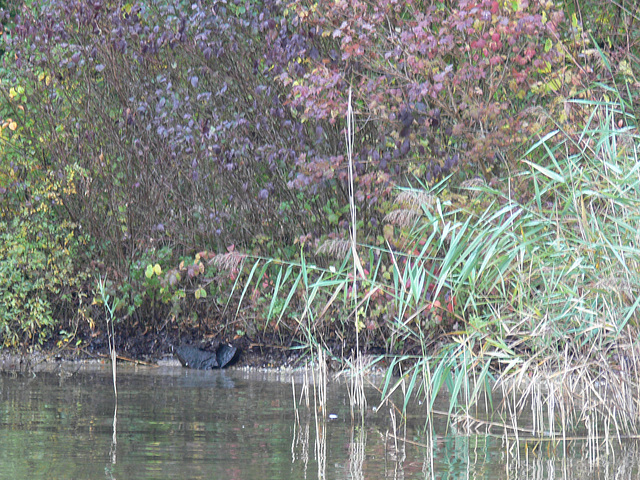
(546, 172)
(548, 45)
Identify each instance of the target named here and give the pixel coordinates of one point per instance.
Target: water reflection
(177, 423)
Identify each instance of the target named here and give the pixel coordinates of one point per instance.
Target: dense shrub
(436, 85)
(163, 126)
(42, 253)
(202, 125)
(169, 129)
(39, 281)
(173, 137)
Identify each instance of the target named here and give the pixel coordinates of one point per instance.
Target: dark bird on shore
(193, 357)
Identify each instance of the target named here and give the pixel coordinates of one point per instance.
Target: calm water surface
(233, 424)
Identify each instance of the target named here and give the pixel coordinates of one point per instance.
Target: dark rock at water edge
(193, 357)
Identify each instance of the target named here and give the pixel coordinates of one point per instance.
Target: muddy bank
(148, 348)
(145, 349)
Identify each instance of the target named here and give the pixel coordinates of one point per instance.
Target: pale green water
(233, 424)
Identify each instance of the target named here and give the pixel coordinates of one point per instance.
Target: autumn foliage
(172, 128)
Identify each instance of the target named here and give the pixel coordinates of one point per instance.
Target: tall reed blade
(349, 139)
(110, 309)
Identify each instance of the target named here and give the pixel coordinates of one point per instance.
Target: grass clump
(526, 286)
(548, 282)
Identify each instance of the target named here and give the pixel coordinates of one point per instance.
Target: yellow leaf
(13, 125)
(546, 68)
(625, 68)
(156, 269)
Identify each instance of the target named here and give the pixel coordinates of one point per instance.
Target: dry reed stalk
(353, 230)
(295, 403)
(357, 453)
(229, 262)
(320, 404)
(357, 265)
(410, 208)
(415, 199)
(301, 439)
(355, 387)
(403, 217)
(304, 391)
(336, 247)
(321, 447)
(394, 428)
(591, 393)
(320, 382)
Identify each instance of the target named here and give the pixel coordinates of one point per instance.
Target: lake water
(235, 424)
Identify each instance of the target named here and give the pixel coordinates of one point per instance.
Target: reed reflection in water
(175, 423)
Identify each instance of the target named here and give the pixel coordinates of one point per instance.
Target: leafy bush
(39, 281)
(179, 143)
(434, 84)
(175, 141)
(157, 138)
(42, 253)
(163, 130)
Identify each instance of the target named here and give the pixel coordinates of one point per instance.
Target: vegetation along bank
(450, 187)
